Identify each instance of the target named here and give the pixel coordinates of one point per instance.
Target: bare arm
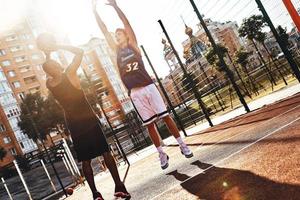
(128, 28)
(104, 29)
(74, 65)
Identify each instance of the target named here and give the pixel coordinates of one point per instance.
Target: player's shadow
(179, 176)
(217, 183)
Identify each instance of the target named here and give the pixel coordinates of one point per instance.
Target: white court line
(247, 146)
(243, 132)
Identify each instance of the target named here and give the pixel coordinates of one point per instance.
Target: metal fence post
(221, 59)
(22, 179)
(6, 188)
(284, 49)
(187, 75)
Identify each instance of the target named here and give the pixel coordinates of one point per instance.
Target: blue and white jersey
(132, 69)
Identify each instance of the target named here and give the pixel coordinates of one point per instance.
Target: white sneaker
(185, 150)
(164, 160)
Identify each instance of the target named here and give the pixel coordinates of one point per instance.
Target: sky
(75, 18)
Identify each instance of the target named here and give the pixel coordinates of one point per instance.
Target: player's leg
(171, 126)
(159, 106)
(88, 173)
(175, 132)
(141, 103)
(120, 189)
(163, 157)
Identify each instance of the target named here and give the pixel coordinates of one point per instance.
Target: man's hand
(112, 3)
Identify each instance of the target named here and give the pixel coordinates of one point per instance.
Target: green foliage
(8, 172)
(45, 113)
(212, 56)
(3, 153)
(284, 36)
(241, 57)
(252, 27)
(261, 37)
(23, 163)
(186, 82)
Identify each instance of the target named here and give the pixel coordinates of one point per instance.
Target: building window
(35, 56)
(116, 122)
(34, 90)
(111, 113)
(21, 95)
(107, 105)
(86, 59)
(16, 84)
(2, 52)
(12, 73)
(16, 48)
(91, 67)
(30, 80)
(20, 59)
(2, 75)
(39, 67)
(25, 69)
(7, 140)
(13, 151)
(22, 145)
(2, 128)
(30, 46)
(5, 63)
(4, 87)
(25, 36)
(11, 38)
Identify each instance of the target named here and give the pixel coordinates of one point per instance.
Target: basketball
(69, 191)
(45, 42)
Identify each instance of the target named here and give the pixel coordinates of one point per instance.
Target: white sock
(160, 149)
(180, 142)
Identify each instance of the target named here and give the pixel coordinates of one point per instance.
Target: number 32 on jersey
(132, 66)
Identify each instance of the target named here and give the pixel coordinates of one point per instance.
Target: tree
(23, 163)
(261, 37)
(212, 56)
(3, 153)
(186, 83)
(213, 59)
(45, 113)
(284, 36)
(241, 58)
(251, 29)
(33, 107)
(55, 115)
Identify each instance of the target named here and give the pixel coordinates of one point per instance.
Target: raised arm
(74, 65)
(112, 44)
(127, 26)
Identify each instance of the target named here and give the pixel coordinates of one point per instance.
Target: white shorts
(148, 103)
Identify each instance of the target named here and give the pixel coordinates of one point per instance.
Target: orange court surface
(253, 156)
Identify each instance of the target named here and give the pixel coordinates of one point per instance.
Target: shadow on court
(232, 184)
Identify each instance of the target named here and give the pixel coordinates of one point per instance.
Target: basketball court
(253, 156)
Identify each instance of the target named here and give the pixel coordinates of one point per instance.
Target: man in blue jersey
(144, 94)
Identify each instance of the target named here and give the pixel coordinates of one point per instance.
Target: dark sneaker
(121, 192)
(97, 196)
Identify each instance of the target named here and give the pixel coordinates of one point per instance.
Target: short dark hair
(48, 64)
